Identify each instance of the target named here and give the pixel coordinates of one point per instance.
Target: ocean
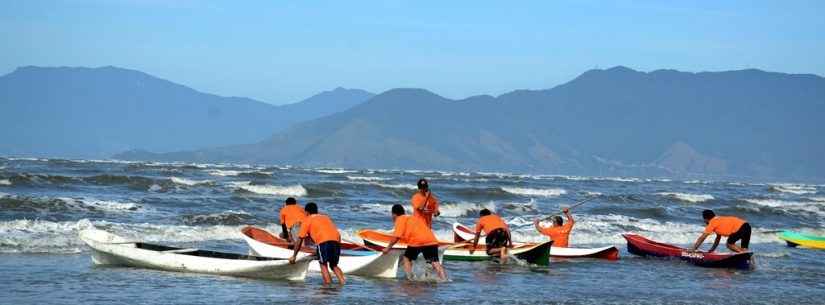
(44, 202)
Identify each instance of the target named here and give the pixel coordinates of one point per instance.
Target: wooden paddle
(572, 206)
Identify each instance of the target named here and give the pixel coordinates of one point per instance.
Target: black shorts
(744, 233)
(430, 253)
(496, 239)
(328, 253)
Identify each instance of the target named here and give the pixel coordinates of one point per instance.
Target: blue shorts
(328, 253)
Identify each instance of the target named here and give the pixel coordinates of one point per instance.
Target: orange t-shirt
(560, 235)
(724, 225)
(320, 228)
(418, 200)
(292, 213)
(489, 223)
(413, 231)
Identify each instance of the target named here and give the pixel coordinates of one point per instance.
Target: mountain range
(617, 121)
(96, 112)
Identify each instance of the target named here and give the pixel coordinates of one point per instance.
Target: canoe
(110, 249)
(462, 233)
(538, 254)
(639, 245)
(796, 239)
(355, 259)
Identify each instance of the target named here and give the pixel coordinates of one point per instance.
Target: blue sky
(284, 51)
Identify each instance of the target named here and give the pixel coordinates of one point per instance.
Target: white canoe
(355, 259)
(462, 233)
(110, 249)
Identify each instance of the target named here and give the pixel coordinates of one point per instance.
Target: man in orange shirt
(498, 235)
(419, 239)
(559, 233)
(323, 232)
(733, 227)
(291, 216)
(424, 203)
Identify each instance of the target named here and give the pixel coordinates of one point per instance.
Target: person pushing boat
(324, 233)
(424, 203)
(419, 238)
(498, 235)
(559, 232)
(734, 228)
(291, 216)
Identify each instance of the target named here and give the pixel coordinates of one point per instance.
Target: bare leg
(503, 255)
(735, 248)
(325, 274)
(440, 270)
(407, 264)
(340, 275)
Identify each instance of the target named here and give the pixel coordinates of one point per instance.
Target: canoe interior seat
(203, 253)
(181, 250)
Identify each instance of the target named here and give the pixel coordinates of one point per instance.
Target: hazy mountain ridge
(95, 112)
(607, 122)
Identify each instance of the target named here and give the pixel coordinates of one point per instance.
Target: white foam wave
(39, 236)
(189, 182)
(100, 205)
(5, 182)
(817, 199)
(463, 209)
(333, 171)
(534, 192)
(397, 186)
(805, 207)
(366, 178)
(223, 173)
(155, 188)
(692, 198)
(797, 189)
(290, 190)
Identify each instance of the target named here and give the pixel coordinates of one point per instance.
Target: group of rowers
(303, 226)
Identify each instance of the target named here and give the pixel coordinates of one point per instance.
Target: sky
(284, 51)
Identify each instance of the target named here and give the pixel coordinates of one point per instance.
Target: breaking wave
(364, 178)
(685, 197)
(39, 236)
(188, 182)
(782, 206)
(264, 189)
(62, 204)
(223, 218)
(797, 189)
(534, 192)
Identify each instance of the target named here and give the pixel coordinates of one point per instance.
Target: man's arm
(715, 243)
(392, 243)
(699, 241)
(285, 232)
(475, 241)
(569, 217)
(298, 246)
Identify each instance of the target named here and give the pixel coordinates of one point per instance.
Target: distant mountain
(617, 121)
(96, 112)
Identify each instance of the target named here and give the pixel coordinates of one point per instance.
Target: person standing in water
(498, 235)
(559, 233)
(419, 238)
(291, 216)
(324, 233)
(424, 203)
(734, 228)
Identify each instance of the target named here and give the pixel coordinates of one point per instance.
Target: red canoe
(639, 245)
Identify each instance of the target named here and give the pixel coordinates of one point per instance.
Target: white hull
(374, 265)
(110, 249)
